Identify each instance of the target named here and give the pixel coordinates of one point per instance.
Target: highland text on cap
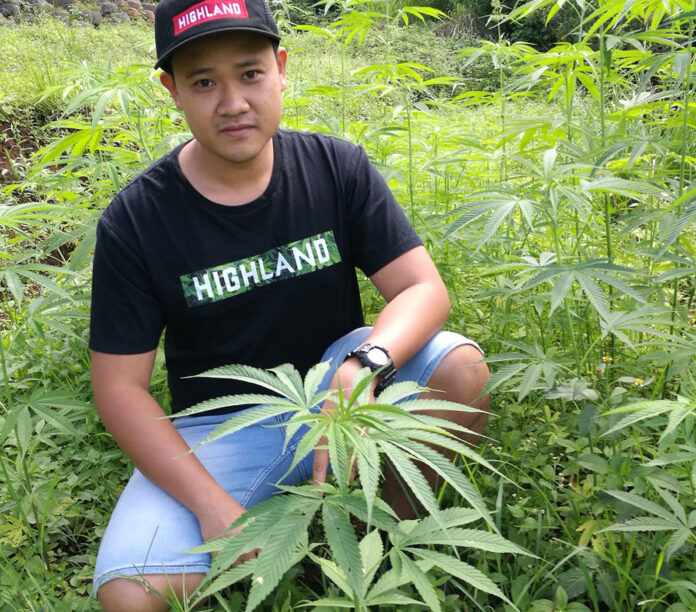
(207, 11)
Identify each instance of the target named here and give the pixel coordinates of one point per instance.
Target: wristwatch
(376, 358)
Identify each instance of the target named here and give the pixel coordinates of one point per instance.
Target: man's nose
(232, 101)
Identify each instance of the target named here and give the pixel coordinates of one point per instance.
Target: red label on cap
(209, 10)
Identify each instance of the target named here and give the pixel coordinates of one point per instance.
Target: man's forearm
(409, 320)
(157, 448)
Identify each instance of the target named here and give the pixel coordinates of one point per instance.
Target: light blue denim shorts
(150, 532)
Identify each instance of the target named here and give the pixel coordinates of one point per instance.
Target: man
(242, 245)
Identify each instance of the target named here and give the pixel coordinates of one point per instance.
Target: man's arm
(129, 412)
(417, 307)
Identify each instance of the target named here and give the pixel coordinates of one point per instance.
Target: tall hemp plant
(594, 291)
(370, 557)
(613, 177)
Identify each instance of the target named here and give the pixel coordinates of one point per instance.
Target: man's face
(229, 88)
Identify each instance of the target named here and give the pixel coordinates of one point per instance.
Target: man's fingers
(321, 462)
(353, 469)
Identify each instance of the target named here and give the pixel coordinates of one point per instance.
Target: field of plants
(555, 189)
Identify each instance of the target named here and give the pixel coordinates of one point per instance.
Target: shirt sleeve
(126, 318)
(380, 231)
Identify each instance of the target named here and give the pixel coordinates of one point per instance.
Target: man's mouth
(238, 129)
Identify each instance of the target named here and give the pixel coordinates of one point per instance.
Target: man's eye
(204, 83)
(251, 74)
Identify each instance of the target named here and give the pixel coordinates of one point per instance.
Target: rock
(92, 17)
(107, 8)
(64, 3)
(133, 13)
(135, 4)
(149, 6)
(9, 10)
(61, 15)
(117, 17)
(148, 16)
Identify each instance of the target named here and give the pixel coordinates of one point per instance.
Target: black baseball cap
(178, 22)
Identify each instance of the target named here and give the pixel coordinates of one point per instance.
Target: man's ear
(281, 59)
(168, 81)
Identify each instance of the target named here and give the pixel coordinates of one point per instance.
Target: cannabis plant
(365, 550)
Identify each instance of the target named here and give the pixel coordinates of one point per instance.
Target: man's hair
(167, 64)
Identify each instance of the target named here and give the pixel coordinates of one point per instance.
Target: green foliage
(355, 431)
(554, 189)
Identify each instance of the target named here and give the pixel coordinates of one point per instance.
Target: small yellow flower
(606, 359)
(639, 382)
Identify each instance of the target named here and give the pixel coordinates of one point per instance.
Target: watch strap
(387, 371)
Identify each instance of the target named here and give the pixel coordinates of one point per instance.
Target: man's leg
(456, 379)
(143, 552)
(130, 594)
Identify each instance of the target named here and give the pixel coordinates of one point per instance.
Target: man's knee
(150, 593)
(461, 377)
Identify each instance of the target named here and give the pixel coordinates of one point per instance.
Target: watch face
(377, 356)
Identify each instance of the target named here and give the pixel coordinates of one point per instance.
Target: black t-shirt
(268, 282)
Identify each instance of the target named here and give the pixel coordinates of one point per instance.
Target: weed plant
(557, 197)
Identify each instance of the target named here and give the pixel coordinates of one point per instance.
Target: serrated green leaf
(643, 504)
(333, 573)
(445, 468)
(344, 547)
(464, 571)
(674, 504)
(644, 523)
(313, 379)
(560, 290)
(676, 541)
(248, 374)
(383, 517)
(276, 557)
(371, 551)
(338, 454)
(23, 429)
(226, 579)
(470, 538)
(421, 582)
(292, 382)
(450, 517)
(243, 419)
(412, 476)
(387, 583)
(14, 284)
(502, 375)
(369, 473)
(392, 598)
(639, 412)
(56, 419)
(307, 444)
(336, 602)
(399, 391)
(594, 294)
(675, 417)
(255, 401)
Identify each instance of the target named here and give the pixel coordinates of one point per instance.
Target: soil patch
(16, 144)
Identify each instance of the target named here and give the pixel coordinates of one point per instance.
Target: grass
(35, 55)
(562, 225)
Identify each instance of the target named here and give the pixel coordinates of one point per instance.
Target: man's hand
(345, 375)
(218, 517)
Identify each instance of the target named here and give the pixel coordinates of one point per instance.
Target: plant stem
(5, 377)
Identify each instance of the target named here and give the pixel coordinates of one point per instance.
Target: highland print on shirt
(230, 279)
